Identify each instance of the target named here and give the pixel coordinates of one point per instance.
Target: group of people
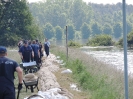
(33, 51)
(28, 51)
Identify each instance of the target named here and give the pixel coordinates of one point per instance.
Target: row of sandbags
(50, 88)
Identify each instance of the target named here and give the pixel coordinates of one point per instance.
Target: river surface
(111, 55)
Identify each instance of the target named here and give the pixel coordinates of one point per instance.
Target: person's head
(3, 51)
(25, 43)
(33, 42)
(46, 39)
(36, 41)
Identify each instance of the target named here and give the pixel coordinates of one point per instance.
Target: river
(111, 55)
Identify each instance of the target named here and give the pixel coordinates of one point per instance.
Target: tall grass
(101, 80)
(13, 54)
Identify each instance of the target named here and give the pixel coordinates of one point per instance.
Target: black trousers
(7, 92)
(46, 50)
(36, 58)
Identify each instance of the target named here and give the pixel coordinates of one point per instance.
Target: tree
(58, 32)
(117, 28)
(16, 22)
(48, 31)
(129, 40)
(71, 32)
(96, 29)
(85, 30)
(129, 27)
(107, 29)
(77, 13)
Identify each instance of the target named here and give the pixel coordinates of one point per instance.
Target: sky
(99, 1)
(109, 1)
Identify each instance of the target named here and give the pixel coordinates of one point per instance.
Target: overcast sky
(109, 1)
(99, 1)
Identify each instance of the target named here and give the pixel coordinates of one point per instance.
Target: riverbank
(104, 80)
(109, 82)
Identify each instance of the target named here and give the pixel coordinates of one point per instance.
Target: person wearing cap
(37, 42)
(26, 52)
(7, 70)
(46, 46)
(36, 51)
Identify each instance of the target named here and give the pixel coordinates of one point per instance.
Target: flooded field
(111, 55)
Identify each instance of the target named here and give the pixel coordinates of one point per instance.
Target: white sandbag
(35, 97)
(63, 64)
(59, 61)
(29, 64)
(67, 71)
(52, 94)
(58, 57)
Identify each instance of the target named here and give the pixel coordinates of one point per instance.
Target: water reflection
(111, 55)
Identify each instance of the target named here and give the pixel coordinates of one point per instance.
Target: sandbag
(30, 75)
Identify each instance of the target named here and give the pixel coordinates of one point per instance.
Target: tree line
(22, 20)
(16, 22)
(83, 20)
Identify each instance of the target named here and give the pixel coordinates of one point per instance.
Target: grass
(65, 80)
(99, 79)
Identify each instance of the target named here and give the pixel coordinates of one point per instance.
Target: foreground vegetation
(100, 80)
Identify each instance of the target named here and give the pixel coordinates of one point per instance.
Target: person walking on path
(46, 46)
(35, 48)
(7, 69)
(25, 52)
(41, 49)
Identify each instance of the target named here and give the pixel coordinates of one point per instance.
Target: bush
(129, 40)
(73, 44)
(101, 40)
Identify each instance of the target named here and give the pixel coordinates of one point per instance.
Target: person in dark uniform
(26, 52)
(37, 42)
(7, 69)
(46, 46)
(35, 48)
(41, 49)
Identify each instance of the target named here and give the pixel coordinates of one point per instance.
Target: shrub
(129, 40)
(73, 44)
(100, 40)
